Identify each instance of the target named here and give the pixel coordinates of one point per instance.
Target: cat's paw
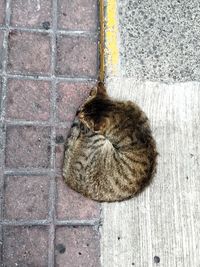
(84, 128)
(75, 129)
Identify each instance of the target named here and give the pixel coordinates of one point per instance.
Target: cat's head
(96, 110)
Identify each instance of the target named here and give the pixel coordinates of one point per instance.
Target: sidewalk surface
(160, 70)
(48, 63)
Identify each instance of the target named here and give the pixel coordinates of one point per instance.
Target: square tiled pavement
(48, 64)
(29, 53)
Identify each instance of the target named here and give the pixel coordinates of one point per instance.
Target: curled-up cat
(110, 154)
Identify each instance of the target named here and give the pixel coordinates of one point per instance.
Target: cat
(110, 154)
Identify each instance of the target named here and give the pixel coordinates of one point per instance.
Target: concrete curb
(109, 40)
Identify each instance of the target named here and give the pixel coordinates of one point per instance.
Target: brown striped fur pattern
(110, 154)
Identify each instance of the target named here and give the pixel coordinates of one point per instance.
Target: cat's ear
(98, 90)
(101, 90)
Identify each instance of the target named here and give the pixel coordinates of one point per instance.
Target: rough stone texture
(77, 56)
(78, 15)
(69, 97)
(1, 48)
(27, 146)
(30, 13)
(25, 246)
(28, 100)
(26, 197)
(160, 40)
(77, 247)
(29, 53)
(2, 11)
(71, 205)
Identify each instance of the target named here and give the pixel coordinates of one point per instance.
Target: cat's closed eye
(116, 146)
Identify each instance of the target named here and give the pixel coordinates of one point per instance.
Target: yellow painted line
(102, 41)
(108, 46)
(111, 38)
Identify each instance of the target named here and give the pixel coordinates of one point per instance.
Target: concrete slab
(160, 40)
(160, 227)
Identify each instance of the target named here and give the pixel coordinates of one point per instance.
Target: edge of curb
(109, 41)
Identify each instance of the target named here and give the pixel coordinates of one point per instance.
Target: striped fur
(110, 154)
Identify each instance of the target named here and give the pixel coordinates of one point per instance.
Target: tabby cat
(110, 154)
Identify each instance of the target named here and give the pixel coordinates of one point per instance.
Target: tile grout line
(2, 117)
(20, 123)
(16, 122)
(28, 172)
(52, 192)
(31, 172)
(5, 60)
(51, 31)
(37, 77)
(47, 222)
